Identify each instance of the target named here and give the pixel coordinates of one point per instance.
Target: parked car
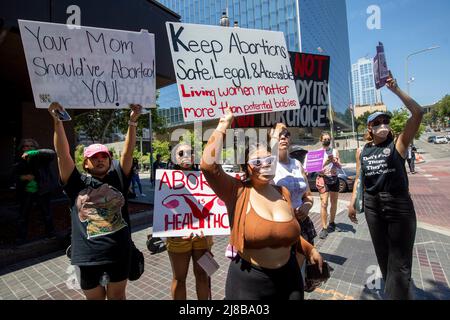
(346, 180)
(229, 168)
(440, 140)
(431, 139)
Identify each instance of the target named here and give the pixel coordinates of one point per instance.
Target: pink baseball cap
(94, 149)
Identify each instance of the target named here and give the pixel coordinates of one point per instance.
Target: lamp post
(407, 61)
(330, 108)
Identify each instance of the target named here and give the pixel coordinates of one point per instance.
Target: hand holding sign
(136, 111)
(226, 120)
(55, 109)
(391, 83)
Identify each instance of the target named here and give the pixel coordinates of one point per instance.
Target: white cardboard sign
(185, 204)
(216, 67)
(89, 68)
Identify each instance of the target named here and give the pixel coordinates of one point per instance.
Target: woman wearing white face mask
(388, 207)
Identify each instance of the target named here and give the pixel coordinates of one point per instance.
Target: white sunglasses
(259, 162)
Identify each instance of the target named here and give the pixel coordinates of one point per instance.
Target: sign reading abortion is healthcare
(85, 68)
(185, 204)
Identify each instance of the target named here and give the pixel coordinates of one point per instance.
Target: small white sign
(216, 67)
(89, 68)
(208, 264)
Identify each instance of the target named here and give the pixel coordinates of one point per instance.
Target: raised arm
(65, 161)
(223, 185)
(413, 123)
(126, 161)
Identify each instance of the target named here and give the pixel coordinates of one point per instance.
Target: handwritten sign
(185, 204)
(86, 68)
(314, 161)
(216, 67)
(311, 74)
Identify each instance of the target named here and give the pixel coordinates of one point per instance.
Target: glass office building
(363, 84)
(312, 26)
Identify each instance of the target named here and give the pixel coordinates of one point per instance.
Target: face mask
(381, 131)
(326, 143)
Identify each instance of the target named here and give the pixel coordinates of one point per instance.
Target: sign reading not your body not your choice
(216, 67)
(84, 67)
(311, 74)
(185, 204)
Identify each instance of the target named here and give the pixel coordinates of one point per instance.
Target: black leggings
(249, 282)
(392, 225)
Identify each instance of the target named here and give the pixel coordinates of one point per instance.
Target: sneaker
(143, 195)
(333, 227)
(323, 234)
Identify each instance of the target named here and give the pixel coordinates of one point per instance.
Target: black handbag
(136, 264)
(155, 245)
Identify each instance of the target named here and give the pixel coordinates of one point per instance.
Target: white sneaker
(143, 195)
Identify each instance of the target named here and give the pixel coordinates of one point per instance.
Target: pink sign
(314, 161)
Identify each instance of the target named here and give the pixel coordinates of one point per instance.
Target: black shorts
(323, 187)
(91, 276)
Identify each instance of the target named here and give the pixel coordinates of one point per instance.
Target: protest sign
(314, 161)
(86, 68)
(216, 67)
(380, 69)
(185, 204)
(311, 73)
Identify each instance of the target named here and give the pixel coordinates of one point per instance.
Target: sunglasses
(381, 121)
(185, 153)
(285, 133)
(259, 162)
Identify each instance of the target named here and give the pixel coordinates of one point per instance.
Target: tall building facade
(312, 26)
(363, 84)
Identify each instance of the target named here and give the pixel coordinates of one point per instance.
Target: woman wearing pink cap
(101, 236)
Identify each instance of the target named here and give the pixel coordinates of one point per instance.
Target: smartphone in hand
(62, 115)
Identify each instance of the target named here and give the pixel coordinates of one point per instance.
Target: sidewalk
(350, 253)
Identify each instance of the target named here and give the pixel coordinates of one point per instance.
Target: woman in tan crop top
(263, 226)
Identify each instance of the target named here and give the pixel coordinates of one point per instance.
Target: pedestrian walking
(327, 183)
(135, 180)
(411, 158)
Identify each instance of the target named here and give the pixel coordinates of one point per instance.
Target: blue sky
(407, 26)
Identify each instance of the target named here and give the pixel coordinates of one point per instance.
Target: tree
(443, 110)
(398, 122)
(99, 124)
(96, 123)
(361, 122)
(162, 148)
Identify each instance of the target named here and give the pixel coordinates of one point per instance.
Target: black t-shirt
(384, 169)
(100, 220)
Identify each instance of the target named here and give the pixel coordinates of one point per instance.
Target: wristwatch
(131, 123)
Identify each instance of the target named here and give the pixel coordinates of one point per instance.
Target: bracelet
(131, 123)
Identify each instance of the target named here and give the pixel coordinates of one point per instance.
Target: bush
(79, 157)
